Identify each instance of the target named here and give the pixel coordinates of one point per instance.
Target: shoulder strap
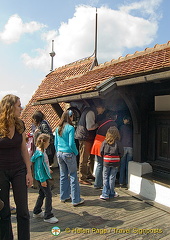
(105, 123)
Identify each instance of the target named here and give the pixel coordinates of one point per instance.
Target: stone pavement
(125, 217)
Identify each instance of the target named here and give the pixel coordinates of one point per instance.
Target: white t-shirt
(45, 158)
(90, 121)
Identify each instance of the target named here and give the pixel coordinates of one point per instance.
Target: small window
(163, 143)
(162, 103)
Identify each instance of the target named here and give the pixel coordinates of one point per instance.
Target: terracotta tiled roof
(77, 77)
(151, 59)
(47, 87)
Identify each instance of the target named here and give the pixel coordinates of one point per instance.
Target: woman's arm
(72, 143)
(120, 149)
(26, 158)
(102, 149)
(90, 121)
(56, 141)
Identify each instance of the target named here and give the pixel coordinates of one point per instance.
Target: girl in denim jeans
(66, 153)
(111, 151)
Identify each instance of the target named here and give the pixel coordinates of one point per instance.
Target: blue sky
(27, 29)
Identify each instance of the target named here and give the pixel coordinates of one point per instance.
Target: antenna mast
(52, 54)
(95, 62)
(95, 49)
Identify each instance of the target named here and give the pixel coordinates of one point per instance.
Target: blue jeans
(68, 177)
(17, 177)
(44, 193)
(109, 177)
(99, 172)
(128, 156)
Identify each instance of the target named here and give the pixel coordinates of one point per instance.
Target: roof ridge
(75, 63)
(157, 47)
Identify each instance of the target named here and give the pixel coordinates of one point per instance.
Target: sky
(27, 29)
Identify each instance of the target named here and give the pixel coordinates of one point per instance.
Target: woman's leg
(112, 180)
(106, 187)
(99, 172)
(123, 168)
(21, 200)
(64, 178)
(5, 213)
(129, 158)
(70, 160)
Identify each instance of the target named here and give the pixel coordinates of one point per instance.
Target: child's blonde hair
(112, 135)
(41, 140)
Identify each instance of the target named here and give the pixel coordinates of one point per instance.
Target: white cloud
(15, 28)
(23, 96)
(42, 61)
(120, 30)
(117, 31)
(3, 93)
(145, 6)
(24, 93)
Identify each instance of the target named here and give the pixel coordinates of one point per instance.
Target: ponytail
(65, 118)
(41, 140)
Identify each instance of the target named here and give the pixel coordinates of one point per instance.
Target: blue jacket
(41, 170)
(66, 142)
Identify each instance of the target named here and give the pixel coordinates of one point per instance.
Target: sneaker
(51, 220)
(103, 198)
(39, 215)
(85, 182)
(67, 199)
(81, 201)
(116, 194)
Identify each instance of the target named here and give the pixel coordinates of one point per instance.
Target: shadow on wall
(148, 189)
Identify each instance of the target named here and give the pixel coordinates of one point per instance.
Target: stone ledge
(156, 179)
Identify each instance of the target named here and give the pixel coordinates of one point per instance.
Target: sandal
(85, 182)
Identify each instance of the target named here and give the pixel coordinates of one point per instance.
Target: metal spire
(95, 62)
(95, 50)
(52, 54)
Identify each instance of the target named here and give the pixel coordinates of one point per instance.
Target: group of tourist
(98, 136)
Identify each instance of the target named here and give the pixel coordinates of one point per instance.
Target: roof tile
(59, 78)
(77, 77)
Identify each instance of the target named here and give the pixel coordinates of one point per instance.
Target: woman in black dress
(15, 168)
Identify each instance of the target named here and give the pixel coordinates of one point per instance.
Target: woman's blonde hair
(7, 115)
(112, 135)
(41, 140)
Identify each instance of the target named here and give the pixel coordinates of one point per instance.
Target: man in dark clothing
(85, 133)
(126, 134)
